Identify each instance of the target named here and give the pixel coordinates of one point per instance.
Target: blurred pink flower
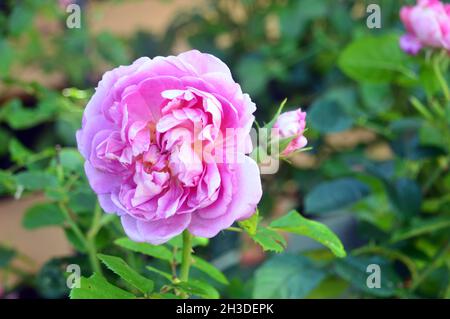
(143, 136)
(63, 4)
(427, 25)
(292, 124)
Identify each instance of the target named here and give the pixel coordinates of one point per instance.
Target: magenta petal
(410, 44)
(101, 182)
(155, 232)
(107, 204)
(248, 189)
(241, 204)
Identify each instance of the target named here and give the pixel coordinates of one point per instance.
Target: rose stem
(186, 261)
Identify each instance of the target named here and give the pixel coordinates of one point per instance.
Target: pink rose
(292, 124)
(427, 25)
(144, 135)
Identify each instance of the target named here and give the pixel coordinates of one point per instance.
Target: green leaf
(71, 159)
(6, 56)
(167, 295)
(7, 182)
(121, 268)
(198, 288)
(375, 60)
(347, 98)
(82, 200)
(112, 48)
(74, 240)
(294, 18)
(406, 195)
(19, 117)
(250, 225)
(377, 98)
(36, 180)
(334, 195)
(209, 269)
(41, 215)
(177, 241)
(5, 136)
(160, 272)
(6, 255)
(429, 134)
(96, 287)
(51, 279)
(428, 79)
(331, 287)
(354, 270)
(286, 276)
(77, 94)
(327, 116)
(20, 20)
(18, 152)
(269, 240)
(253, 74)
(295, 223)
(159, 252)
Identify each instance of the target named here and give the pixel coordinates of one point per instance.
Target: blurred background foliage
(377, 173)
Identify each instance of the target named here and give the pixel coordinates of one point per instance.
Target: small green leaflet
(42, 215)
(250, 225)
(159, 252)
(121, 268)
(177, 241)
(6, 255)
(295, 223)
(286, 276)
(206, 268)
(160, 272)
(198, 288)
(96, 287)
(209, 269)
(269, 239)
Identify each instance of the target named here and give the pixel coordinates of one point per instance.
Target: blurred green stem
(90, 239)
(440, 77)
(440, 256)
(435, 174)
(87, 240)
(73, 226)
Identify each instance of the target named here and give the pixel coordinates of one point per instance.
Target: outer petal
(90, 128)
(107, 204)
(204, 63)
(101, 182)
(240, 204)
(248, 189)
(155, 232)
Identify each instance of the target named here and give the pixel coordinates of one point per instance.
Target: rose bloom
(292, 124)
(427, 25)
(140, 136)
